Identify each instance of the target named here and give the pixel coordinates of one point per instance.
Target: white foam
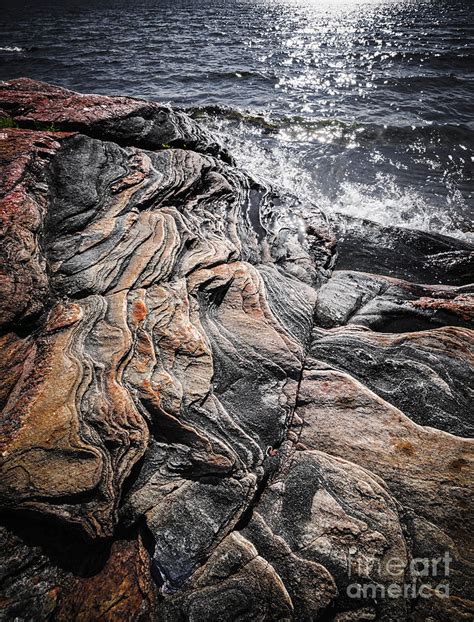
(388, 204)
(8, 48)
(384, 202)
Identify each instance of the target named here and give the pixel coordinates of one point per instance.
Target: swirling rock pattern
(201, 418)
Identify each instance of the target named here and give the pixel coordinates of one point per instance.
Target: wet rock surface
(402, 253)
(201, 418)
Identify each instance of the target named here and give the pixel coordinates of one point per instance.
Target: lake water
(359, 107)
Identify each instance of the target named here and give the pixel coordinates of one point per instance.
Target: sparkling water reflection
(364, 106)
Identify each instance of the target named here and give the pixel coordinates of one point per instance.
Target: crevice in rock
(67, 546)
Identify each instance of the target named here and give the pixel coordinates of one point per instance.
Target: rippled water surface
(362, 107)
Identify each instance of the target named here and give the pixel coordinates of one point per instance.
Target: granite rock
(200, 418)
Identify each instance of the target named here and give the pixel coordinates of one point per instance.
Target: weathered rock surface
(402, 253)
(200, 419)
(125, 120)
(429, 472)
(391, 305)
(426, 374)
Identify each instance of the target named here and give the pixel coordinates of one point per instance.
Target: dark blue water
(359, 106)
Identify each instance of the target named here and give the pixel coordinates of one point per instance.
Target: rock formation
(214, 406)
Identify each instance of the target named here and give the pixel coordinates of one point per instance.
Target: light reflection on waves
(356, 60)
(365, 107)
(404, 183)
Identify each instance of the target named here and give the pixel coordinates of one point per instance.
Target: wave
(243, 73)
(457, 58)
(16, 48)
(342, 130)
(435, 81)
(8, 48)
(387, 182)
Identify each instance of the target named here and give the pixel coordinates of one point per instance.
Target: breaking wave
(411, 177)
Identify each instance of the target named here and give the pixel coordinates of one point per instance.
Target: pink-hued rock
(24, 158)
(199, 419)
(429, 472)
(126, 120)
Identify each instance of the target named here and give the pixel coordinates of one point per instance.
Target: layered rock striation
(215, 406)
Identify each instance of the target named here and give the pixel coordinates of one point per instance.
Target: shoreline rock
(197, 403)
